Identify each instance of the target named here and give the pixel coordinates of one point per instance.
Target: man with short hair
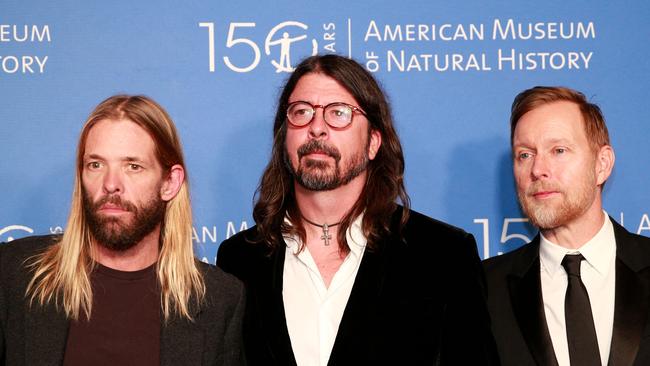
(337, 273)
(578, 294)
(121, 285)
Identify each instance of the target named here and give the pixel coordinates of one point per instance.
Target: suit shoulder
(241, 254)
(242, 244)
(642, 241)
(504, 262)
(436, 238)
(219, 283)
(420, 222)
(18, 251)
(240, 240)
(632, 248)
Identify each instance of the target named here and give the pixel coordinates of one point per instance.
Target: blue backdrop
(450, 69)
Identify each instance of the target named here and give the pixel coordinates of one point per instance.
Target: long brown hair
(385, 178)
(62, 272)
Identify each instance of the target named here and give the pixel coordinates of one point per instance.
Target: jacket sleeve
(467, 337)
(233, 339)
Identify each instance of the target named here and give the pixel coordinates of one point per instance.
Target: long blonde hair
(62, 272)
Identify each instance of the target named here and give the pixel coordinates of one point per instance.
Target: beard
(116, 234)
(318, 175)
(547, 215)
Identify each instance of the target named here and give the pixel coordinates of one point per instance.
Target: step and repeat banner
(450, 69)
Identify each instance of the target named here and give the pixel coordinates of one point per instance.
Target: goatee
(575, 202)
(317, 175)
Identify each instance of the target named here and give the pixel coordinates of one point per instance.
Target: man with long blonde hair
(121, 285)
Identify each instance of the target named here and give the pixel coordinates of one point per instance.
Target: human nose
(112, 181)
(318, 127)
(540, 168)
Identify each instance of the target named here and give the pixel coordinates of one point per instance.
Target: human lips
(113, 205)
(318, 149)
(543, 190)
(544, 194)
(112, 208)
(318, 153)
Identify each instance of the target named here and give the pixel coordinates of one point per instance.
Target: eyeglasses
(337, 115)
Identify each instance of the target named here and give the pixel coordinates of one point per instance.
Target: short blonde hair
(594, 122)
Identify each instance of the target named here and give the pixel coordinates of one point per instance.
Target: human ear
(172, 183)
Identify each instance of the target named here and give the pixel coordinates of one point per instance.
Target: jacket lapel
(270, 306)
(358, 314)
(46, 332)
(525, 289)
(631, 303)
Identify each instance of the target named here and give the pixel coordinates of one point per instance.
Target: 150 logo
(517, 231)
(12, 230)
(509, 231)
(279, 45)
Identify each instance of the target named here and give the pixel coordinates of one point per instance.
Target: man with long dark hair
(336, 271)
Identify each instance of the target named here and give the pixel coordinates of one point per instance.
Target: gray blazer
(37, 335)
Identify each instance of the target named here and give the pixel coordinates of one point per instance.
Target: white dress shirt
(598, 275)
(314, 311)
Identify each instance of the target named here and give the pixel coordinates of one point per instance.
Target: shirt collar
(356, 240)
(598, 251)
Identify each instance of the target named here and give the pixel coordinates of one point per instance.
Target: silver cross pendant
(326, 234)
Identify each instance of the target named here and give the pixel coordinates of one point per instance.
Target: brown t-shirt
(124, 327)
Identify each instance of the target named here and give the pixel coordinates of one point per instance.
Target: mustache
(318, 146)
(114, 200)
(542, 186)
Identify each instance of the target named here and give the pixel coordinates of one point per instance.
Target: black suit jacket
(516, 308)
(415, 301)
(37, 335)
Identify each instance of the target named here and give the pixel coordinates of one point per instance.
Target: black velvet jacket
(416, 300)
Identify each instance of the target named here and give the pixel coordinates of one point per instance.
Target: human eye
(133, 167)
(524, 155)
(340, 112)
(93, 165)
(300, 113)
(301, 109)
(560, 150)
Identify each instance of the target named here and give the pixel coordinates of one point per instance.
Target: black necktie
(580, 330)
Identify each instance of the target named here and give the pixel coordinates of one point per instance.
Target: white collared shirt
(314, 311)
(599, 277)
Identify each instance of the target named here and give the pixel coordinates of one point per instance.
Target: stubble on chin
(550, 214)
